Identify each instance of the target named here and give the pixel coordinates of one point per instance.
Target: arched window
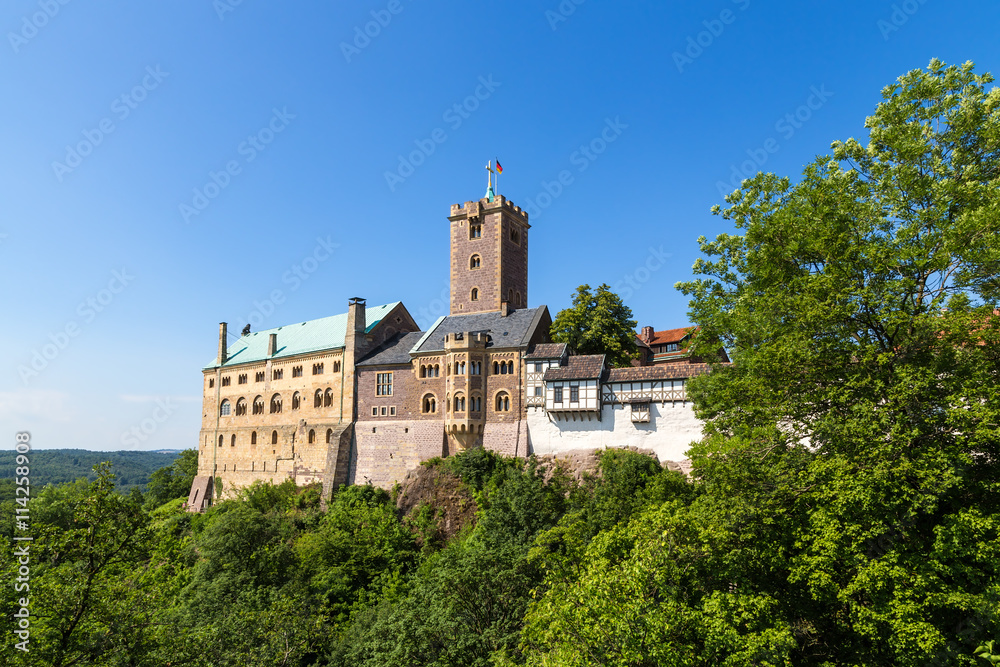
(437, 370)
(318, 400)
(476, 404)
(429, 404)
(274, 437)
(514, 236)
(232, 441)
(503, 402)
(312, 436)
(474, 262)
(496, 368)
(459, 403)
(423, 371)
(221, 439)
(241, 407)
(510, 368)
(225, 409)
(328, 398)
(517, 298)
(296, 400)
(276, 404)
(336, 367)
(258, 405)
(329, 435)
(475, 294)
(253, 438)
(510, 296)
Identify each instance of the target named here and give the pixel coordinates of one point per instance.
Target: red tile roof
(669, 336)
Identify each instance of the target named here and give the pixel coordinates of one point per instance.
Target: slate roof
(578, 367)
(396, 351)
(325, 333)
(547, 351)
(515, 330)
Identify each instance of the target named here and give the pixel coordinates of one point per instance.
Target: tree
(173, 481)
(862, 407)
(598, 323)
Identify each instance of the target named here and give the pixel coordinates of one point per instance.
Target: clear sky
(170, 165)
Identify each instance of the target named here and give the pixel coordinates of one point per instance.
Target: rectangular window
(557, 395)
(574, 393)
(392, 410)
(211, 382)
(538, 367)
(383, 384)
(374, 411)
(382, 411)
(538, 391)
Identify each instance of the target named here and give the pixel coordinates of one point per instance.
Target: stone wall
(384, 451)
(507, 439)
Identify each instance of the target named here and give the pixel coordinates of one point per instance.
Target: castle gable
(516, 329)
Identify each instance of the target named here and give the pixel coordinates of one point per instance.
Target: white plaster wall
(669, 433)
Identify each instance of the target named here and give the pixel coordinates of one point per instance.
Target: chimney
(647, 334)
(356, 316)
(272, 345)
(504, 308)
(223, 346)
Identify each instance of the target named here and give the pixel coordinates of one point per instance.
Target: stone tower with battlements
(489, 256)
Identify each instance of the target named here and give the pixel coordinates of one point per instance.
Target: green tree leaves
(597, 323)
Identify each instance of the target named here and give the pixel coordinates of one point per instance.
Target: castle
(365, 396)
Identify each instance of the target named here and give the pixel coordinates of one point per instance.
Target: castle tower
(489, 256)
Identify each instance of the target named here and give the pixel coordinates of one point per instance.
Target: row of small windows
(428, 404)
(321, 399)
(430, 371)
(277, 374)
(383, 411)
(503, 368)
(274, 438)
(474, 368)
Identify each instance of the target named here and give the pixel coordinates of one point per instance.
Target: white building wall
(671, 429)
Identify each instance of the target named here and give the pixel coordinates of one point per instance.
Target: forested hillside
(56, 466)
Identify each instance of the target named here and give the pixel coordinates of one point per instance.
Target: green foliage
(173, 481)
(598, 323)
(57, 466)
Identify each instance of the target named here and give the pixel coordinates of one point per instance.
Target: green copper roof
(325, 333)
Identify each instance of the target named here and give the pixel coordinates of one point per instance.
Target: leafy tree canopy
(597, 323)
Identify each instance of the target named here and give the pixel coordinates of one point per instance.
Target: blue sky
(167, 166)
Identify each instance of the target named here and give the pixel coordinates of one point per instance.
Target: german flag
(499, 168)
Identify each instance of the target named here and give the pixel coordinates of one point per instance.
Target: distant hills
(55, 466)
